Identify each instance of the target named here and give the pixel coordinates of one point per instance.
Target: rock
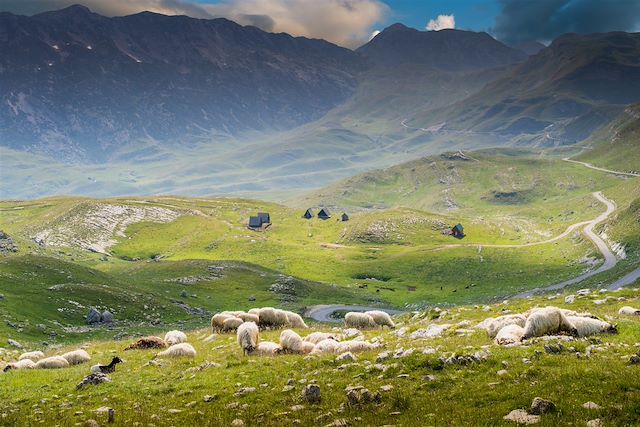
(554, 348)
(402, 332)
(520, 416)
(569, 299)
(387, 387)
(14, 343)
(237, 423)
(351, 332)
(184, 294)
(93, 379)
(502, 372)
(311, 393)
(595, 423)
(296, 408)
(252, 298)
(208, 398)
(91, 423)
(244, 390)
(107, 317)
(431, 331)
(584, 292)
(362, 396)
(541, 406)
(346, 357)
(591, 405)
(382, 356)
(634, 360)
(341, 422)
(93, 316)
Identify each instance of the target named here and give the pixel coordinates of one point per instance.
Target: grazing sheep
(32, 355)
(77, 357)
(217, 321)
(231, 324)
(316, 337)
(106, 369)
(290, 341)
(510, 335)
(272, 318)
(255, 311)
(20, 364)
(494, 325)
(381, 318)
(307, 347)
(564, 311)
(145, 343)
(281, 318)
(54, 362)
(326, 346)
(355, 346)
(358, 320)
(249, 317)
(178, 350)
(175, 337)
(546, 321)
(629, 311)
(587, 326)
(294, 320)
(266, 348)
(248, 336)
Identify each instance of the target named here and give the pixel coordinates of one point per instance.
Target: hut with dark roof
(324, 213)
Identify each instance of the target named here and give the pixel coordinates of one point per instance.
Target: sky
(352, 23)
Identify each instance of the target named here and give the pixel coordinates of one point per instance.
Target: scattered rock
(584, 292)
(541, 406)
(208, 398)
(244, 390)
(93, 316)
(502, 372)
(237, 423)
(569, 299)
(340, 422)
(107, 317)
(362, 396)
(520, 416)
(346, 357)
(554, 348)
(14, 343)
(311, 393)
(382, 356)
(93, 379)
(591, 405)
(351, 332)
(634, 360)
(595, 423)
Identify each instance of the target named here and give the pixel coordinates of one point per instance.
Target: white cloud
(442, 22)
(375, 33)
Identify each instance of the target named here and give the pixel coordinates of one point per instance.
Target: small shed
(344, 217)
(264, 218)
(457, 231)
(254, 222)
(308, 214)
(324, 213)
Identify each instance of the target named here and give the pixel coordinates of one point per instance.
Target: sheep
(510, 335)
(629, 311)
(32, 355)
(307, 347)
(248, 336)
(355, 346)
(266, 348)
(326, 346)
(548, 320)
(494, 324)
(255, 311)
(586, 326)
(294, 320)
(358, 320)
(106, 369)
(217, 321)
(77, 357)
(175, 337)
(178, 350)
(381, 318)
(145, 343)
(53, 362)
(564, 311)
(291, 342)
(249, 317)
(272, 318)
(231, 324)
(20, 364)
(316, 337)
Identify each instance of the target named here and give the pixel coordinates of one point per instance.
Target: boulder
(93, 316)
(541, 406)
(107, 317)
(311, 393)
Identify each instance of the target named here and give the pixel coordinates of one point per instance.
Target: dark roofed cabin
(308, 214)
(458, 231)
(344, 217)
(264, 218)
(324, 214)
(254, 222)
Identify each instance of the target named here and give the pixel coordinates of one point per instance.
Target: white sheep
(629, 311)
(266, 348)
(494, 324)
(587, 326)
(269, 318)
(53, 362)
(249, 317)
(358, 320)
(255, 311)
(175, 337)
(32, 355)
(326, 346)
(547, 321)
(294, 320)
(20, 364)
(564, 311)
(217, 321)
(316, 337)
(355, 346)
(291, 342)
(381, 318)
(178, 350)
(307, 347)
(248, 336)
(231, 324)
(510, 335)
(77, 357)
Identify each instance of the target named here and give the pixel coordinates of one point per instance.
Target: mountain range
(149, 103)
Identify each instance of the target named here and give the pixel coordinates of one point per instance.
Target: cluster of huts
(324, 214)
(263, 220)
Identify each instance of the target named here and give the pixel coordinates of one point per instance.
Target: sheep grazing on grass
(307, 347)
(266, 348)
(629, 311)
(255, 311)
(249, 317)
(381, 318)
(20, 364)
(231, 324)
(54, 362)
(294, 320)
(358, 320)
(77, 357)
(564, 311)
(291, 342)
(510, 335)
(106, 369)
(217, 321)
(355, 346)
(547, 321)
(494, 324)
(326, 346)
(587, 326)
(316, 337)
(178, 350)
(175, 337)
(248, 336)
(272, 318)
(145, 343)
(32, 355)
